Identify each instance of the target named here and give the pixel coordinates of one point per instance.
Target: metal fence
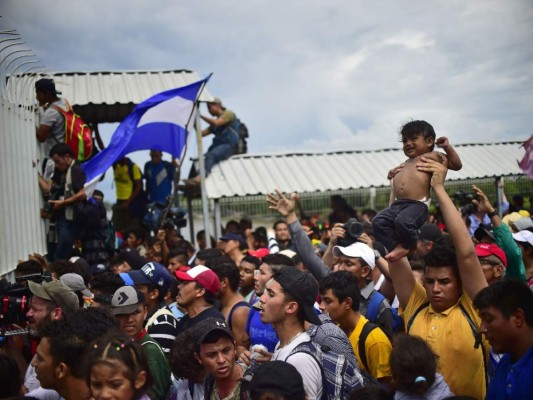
(22, 230)
(255, 207)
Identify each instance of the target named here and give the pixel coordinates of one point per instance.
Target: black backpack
(242, 131)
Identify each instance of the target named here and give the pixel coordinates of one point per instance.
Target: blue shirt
(159, 179)
(259, 332)
(512, 381)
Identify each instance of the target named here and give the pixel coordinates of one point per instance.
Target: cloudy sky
(313, 75)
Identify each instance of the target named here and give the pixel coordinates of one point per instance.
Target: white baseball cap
(357, 250)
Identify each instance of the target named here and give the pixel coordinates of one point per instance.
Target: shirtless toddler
(397, 227)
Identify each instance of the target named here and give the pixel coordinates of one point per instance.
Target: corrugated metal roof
(108, 96)
(246, 175)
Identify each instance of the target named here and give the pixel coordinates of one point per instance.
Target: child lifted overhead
(397, 227)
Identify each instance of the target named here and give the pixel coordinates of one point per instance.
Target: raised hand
(437, 170)
(442, 142)
(482, 202)
(283, 205)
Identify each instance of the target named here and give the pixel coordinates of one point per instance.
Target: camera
(15, 298)
(54, 195)
(463, 198)
(352, 230)
(155, 212)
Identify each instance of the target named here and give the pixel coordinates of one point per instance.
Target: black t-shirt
(187, 322)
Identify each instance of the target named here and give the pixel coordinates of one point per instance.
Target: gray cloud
(314, 75)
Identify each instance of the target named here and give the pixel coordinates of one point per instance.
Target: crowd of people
(359, 308)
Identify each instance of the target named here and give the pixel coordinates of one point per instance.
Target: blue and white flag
(160, 122)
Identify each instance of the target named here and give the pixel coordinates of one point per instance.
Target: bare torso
(410, 183)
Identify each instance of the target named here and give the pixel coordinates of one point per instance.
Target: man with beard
(51, 301)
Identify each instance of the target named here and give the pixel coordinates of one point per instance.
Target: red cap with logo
(489, 249)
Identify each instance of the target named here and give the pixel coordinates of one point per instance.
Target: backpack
(478, 337)
(376, 298)
(331, 349)
(78, 135)
(367, 328)
(241, 130)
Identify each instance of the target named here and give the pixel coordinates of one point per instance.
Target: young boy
(397, 227)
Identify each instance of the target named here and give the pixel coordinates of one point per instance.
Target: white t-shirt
(304, 363)
(55, 120)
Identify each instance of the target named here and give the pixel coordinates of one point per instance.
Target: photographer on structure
(65, 190)
(356, 256)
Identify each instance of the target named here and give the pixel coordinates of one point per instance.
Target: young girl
(117, 369)
(414, 370)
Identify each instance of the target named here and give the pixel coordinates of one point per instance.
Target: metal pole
(191, 221)
(205, 210)
(499, 194)
(218, 231)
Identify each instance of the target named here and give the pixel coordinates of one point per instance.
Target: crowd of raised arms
(400, 304)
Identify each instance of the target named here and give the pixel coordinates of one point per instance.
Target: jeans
(217, 153)
(67, 233)
(400, 223)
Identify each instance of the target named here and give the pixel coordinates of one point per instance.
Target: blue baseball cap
(233, 236)
(151, 273)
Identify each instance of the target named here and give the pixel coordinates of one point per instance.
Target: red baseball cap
(489, 249)
(259, 253)
(203, 276)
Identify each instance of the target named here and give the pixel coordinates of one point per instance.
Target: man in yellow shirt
(340, 295)
(130, 206)
(441, 311)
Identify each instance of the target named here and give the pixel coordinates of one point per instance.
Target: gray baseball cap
(57, 292)
(125, 300)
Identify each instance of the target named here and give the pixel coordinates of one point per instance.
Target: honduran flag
(161, 122)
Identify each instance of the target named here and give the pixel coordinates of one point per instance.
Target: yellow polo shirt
(377, 350)
(450, 337)
(124, 184)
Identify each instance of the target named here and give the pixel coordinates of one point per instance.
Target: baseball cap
(359, 250)
(482, 231)
(511, 218)
(490, 249)
(233, 236)
(277, 377)
(208, 325)
(523, 223)
(203, 276)
(430, 232)
(125, 300)
(259, 253)
(58, 292)
(183, 268)
(97, 268)
(524, 237)
(76, 283)
(303, 287)
(46, 86)
(216, 100)
(151, 273)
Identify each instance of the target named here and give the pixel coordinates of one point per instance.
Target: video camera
(353, 229)
(15, 303)
(155, 212)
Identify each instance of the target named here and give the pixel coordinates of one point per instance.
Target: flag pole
(205, 210)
